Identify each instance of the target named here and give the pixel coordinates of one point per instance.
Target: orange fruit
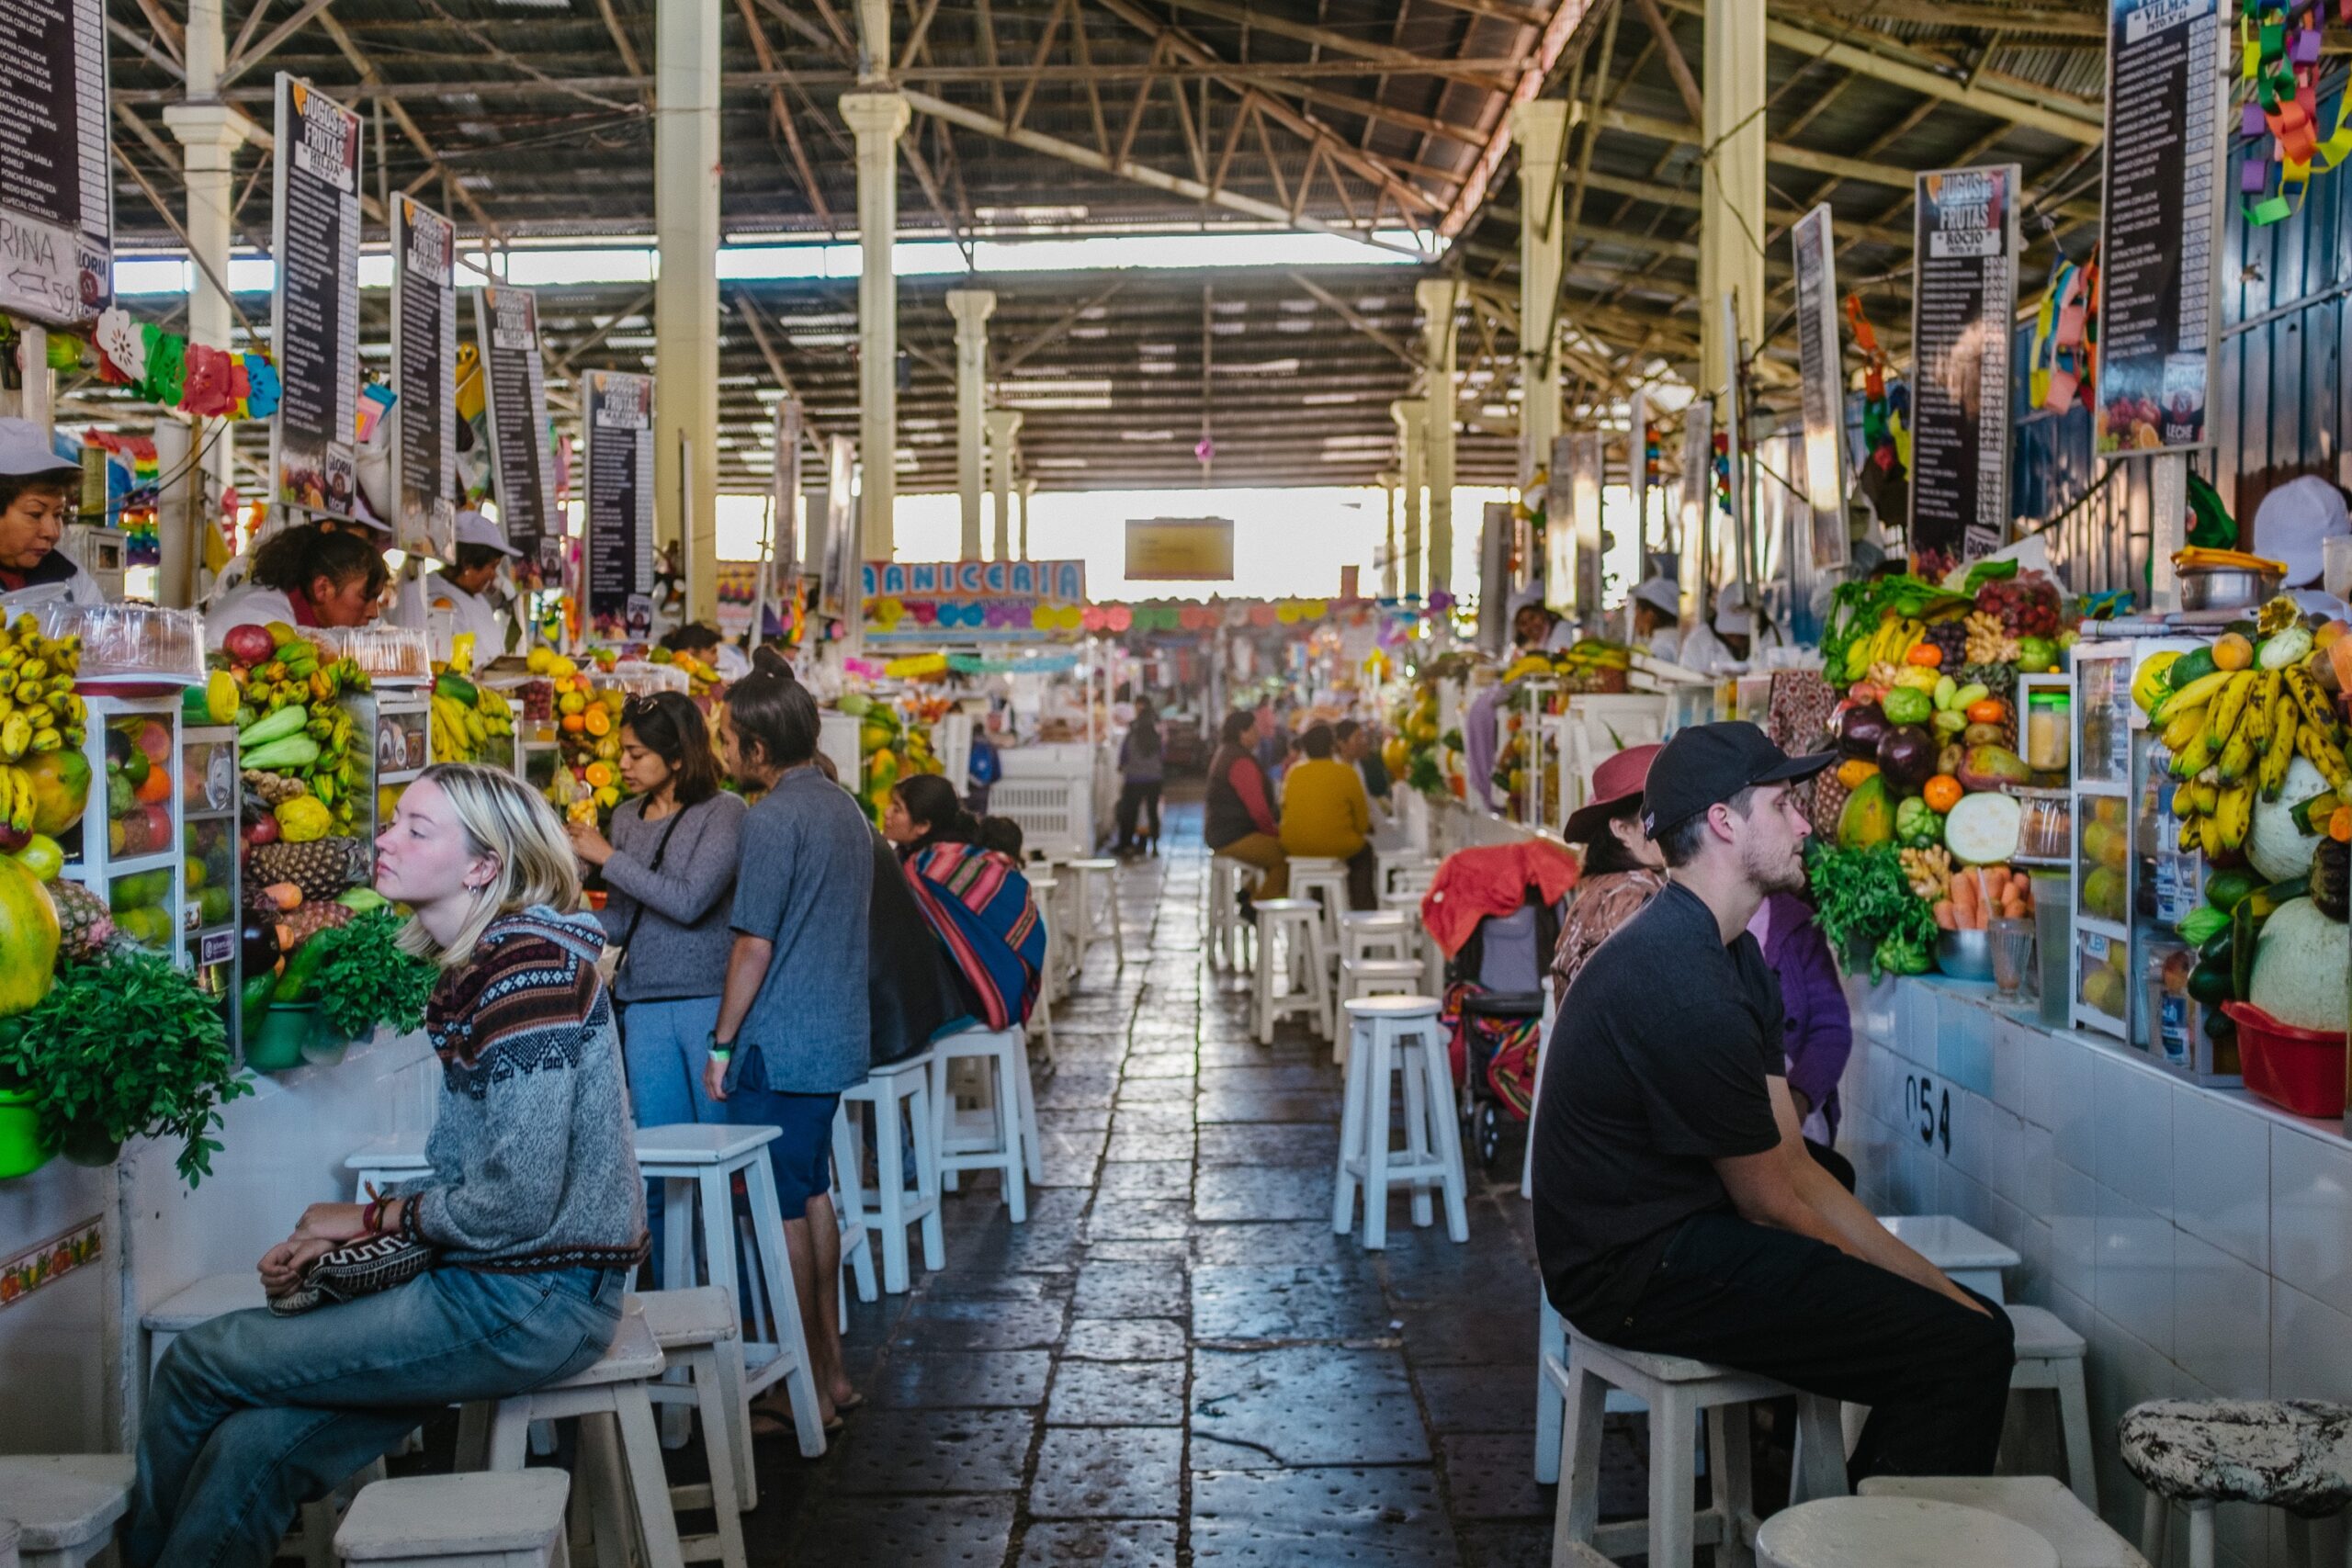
(574, 724)
(599, 719)
(155, 787)
(2231, 651)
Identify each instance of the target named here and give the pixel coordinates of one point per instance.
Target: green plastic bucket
(21, 1150)
(285, 1029)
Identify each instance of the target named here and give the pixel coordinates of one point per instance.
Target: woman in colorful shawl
(976, 900)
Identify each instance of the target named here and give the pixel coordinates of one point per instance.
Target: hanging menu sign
(56, 192)
(514, 385)
(617, 412)
(314, 312)
(1963, 301)
(1822, 377)
(2161, 223)
(425, 375)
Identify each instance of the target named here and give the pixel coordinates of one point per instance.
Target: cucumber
(2225, 889)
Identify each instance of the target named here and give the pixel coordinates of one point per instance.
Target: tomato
(1992, 710)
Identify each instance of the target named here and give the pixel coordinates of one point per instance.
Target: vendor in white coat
(38, 490)
(1657, 619)
(1736, 636)
(2292, 526)
(1533, 627)
(303, 576)
(458, 599)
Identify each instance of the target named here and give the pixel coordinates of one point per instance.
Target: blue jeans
(665, 1045)
(251, 1416)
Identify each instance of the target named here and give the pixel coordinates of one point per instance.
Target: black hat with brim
(1706, 764)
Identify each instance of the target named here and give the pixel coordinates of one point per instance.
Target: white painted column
(1541, 129)
(1392, 567)
(877, 118)
(685, 298)
(971, 308)
(209, 132)
(1441, 298)
(1004, 428)
(1028, 492)
(1731, 219)
(1409, 418)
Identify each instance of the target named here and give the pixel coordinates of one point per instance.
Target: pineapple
(307, 921)
(84, 925)
(320, 868)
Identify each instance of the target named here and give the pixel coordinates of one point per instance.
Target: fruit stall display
(472, 722)
(134, 767)
(893, 742)
(44, 779)
(1916, 825)
(2220, 877)
(703, 682)
(211, 837)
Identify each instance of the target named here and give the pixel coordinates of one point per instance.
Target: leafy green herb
(1862, 899)
(1855, 609)
(127, 1046)
(364, 979)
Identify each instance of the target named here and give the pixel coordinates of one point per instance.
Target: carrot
(1965, 895)
(2013, 911)
(1946, 916)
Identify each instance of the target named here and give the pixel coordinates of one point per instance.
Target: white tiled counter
(2197, 1237)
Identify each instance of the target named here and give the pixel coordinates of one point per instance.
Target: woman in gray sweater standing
(670, 884)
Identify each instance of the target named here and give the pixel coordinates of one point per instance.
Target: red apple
(159, 824)
(264, 831)
(249, 644)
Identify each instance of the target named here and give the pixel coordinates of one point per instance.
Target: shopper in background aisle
(1623, 869)
(1818, 1027)
(1735, 639)
(1676, 1209)
(1657, 619)
(1325, 814)
(669, 877)
(38, 490)
(1239, 820)
(1142, 769)
(701, 641)
(793, 1025)
(1359, 749)
(533, 1207)
(305, 576)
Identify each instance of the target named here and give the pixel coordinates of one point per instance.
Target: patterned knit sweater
(534, 1162)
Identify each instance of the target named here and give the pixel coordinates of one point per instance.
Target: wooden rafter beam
(780, 113)
(1355, 318)
(1677, 66)
(1402, 62)
(435, 162)
(246, 59)
(1047, 337)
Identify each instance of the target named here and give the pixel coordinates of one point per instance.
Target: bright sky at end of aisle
(1287, 543)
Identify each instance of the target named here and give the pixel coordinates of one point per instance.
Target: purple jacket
(1820, 1034)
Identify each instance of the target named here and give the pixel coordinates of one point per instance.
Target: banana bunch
(453, 741)
(17, 798)
(2232, 735)
(38, 708)
(1593, 653)
(1896, 636)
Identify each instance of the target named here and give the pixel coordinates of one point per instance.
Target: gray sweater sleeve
(499, 1177)
(689, 885)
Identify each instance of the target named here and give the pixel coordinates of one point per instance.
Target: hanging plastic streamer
(2064, 337)
(2279, 49)
(1882, 432)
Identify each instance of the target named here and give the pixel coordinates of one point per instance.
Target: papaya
(1868, 817)
(28, 936)
(60, 789)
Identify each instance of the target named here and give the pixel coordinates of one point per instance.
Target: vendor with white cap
(1736, 635)
(1533, 627)
(458, 597)
(38, 490)
(2292, 526)
(1657, 619)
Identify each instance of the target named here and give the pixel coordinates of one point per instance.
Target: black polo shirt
(1655, 1069)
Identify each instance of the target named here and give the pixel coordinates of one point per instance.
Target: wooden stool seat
(1399, 1035)
(2040, 1503)
(895, 1206)
(1289, 948)
(1897, 1532)
(697, 1332)
(460, 1521)
(2050, 1358)
(2294, 1454)
(64, 1506)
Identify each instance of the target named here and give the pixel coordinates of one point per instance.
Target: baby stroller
(1494, 1004)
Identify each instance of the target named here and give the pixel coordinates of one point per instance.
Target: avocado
(2197, 662)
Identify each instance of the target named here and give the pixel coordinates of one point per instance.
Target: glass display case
(395, 727)
(211, 808)
(2131, 881)
(128, 847)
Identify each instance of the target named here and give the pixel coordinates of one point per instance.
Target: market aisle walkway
(1175, 1361)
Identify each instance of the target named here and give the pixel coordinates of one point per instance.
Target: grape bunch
(2025, 603)
(1951, 636)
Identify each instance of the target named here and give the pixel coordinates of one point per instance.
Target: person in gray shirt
(793, 1027)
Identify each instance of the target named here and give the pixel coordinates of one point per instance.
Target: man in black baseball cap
(1677, 1210)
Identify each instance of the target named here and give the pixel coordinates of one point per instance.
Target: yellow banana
(2286, 723)
(2204, 793)
(2191, 838)
(2235, 814)
(2209, 836)
(2185, 727)
(2228, 705)
(2322, 754)
(2195, 760)
(2197, 693)
(2316, 709)
(2237, 757)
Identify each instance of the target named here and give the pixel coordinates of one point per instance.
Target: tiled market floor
(1174, 1360)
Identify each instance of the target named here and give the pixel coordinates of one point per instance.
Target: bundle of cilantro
(1862, 900)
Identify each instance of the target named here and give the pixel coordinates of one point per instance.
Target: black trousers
(1935, 1375)
(1135, 800)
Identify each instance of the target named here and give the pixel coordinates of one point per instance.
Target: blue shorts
(802, 1152)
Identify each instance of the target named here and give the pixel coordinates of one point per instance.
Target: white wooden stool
(891, 1089)
(8, 1558)
(1405, 870)
(849, 1211)
(697, 1332)
(1314, 875)
(2050, 1356)
(1360, 977)
(397, 1156)
(64, 1506)
(1432, 961)
(1376, 933)
(1397, 1035)
(621, 1451)
(1046, 890)
(2038, 1502)
(1678, 1391)
(1012, 1145)
(1897, 1532)
(1085, 928)
(696, 1163)
(460, 1521)
(1290, 946)
(1965, 1254)
(1229, 932)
